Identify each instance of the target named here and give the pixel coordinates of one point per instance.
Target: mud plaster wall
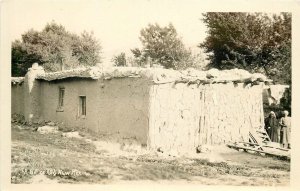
(183, 117)
(117, 105)
(17, 99)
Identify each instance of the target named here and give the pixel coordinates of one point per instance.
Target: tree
(255, 42)
(54, 48)
(286, 100)
(120, 60)
(162, 46)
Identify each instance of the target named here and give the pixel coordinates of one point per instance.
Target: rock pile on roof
(80, 73)
(157, 75)
(223, 76)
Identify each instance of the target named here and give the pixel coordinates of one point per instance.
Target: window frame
(61, 98)
(82, 106)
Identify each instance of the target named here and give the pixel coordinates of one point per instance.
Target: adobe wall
(116, 105)
(183, 117)
(17, 99)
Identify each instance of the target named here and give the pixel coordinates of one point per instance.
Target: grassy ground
(51, 158)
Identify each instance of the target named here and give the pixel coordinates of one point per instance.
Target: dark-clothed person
(273, 127)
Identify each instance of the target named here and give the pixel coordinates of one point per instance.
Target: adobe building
(166, 109)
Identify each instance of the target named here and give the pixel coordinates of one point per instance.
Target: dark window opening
(61, 98)
(82, 105)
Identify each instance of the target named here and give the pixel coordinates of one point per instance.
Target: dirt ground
(54, 158)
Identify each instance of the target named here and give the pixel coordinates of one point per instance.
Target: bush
(286, 100)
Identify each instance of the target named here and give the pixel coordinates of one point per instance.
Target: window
(82, 105)
(61, 99)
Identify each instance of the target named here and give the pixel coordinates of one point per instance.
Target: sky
(116, 24)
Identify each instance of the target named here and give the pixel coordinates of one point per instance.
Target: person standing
(273, 127)
(285, 123)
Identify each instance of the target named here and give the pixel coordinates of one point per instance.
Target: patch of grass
(18, 176)
(280, 167)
